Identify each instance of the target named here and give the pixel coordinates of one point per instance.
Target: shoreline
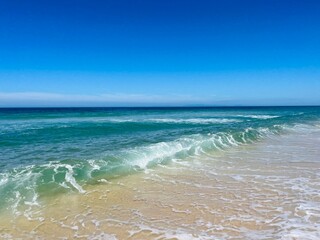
(269, 189)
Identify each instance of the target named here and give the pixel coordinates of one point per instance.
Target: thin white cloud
(46, 99)
(53, 99)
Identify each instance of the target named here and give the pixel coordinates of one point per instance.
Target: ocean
(160, 173)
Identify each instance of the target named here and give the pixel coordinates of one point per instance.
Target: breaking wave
(24, 185)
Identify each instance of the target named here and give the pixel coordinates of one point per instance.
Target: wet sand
(267, 190)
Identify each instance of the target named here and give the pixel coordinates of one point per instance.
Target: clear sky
(159, 52)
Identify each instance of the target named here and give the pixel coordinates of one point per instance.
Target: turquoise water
(49, 151)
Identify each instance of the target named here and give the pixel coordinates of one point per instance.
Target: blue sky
(155, 53)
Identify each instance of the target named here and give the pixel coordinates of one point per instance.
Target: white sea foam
(194, 120)
(300, 234)
(6, 236)
(70, 179)
(259, 116)
(102, 236)
(4, 177)
(167, 120)
(33, 201)
(187, 146)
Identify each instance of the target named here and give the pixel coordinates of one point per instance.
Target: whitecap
(259, 116)
(194, 120)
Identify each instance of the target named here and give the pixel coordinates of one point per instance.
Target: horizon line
(186, 106)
